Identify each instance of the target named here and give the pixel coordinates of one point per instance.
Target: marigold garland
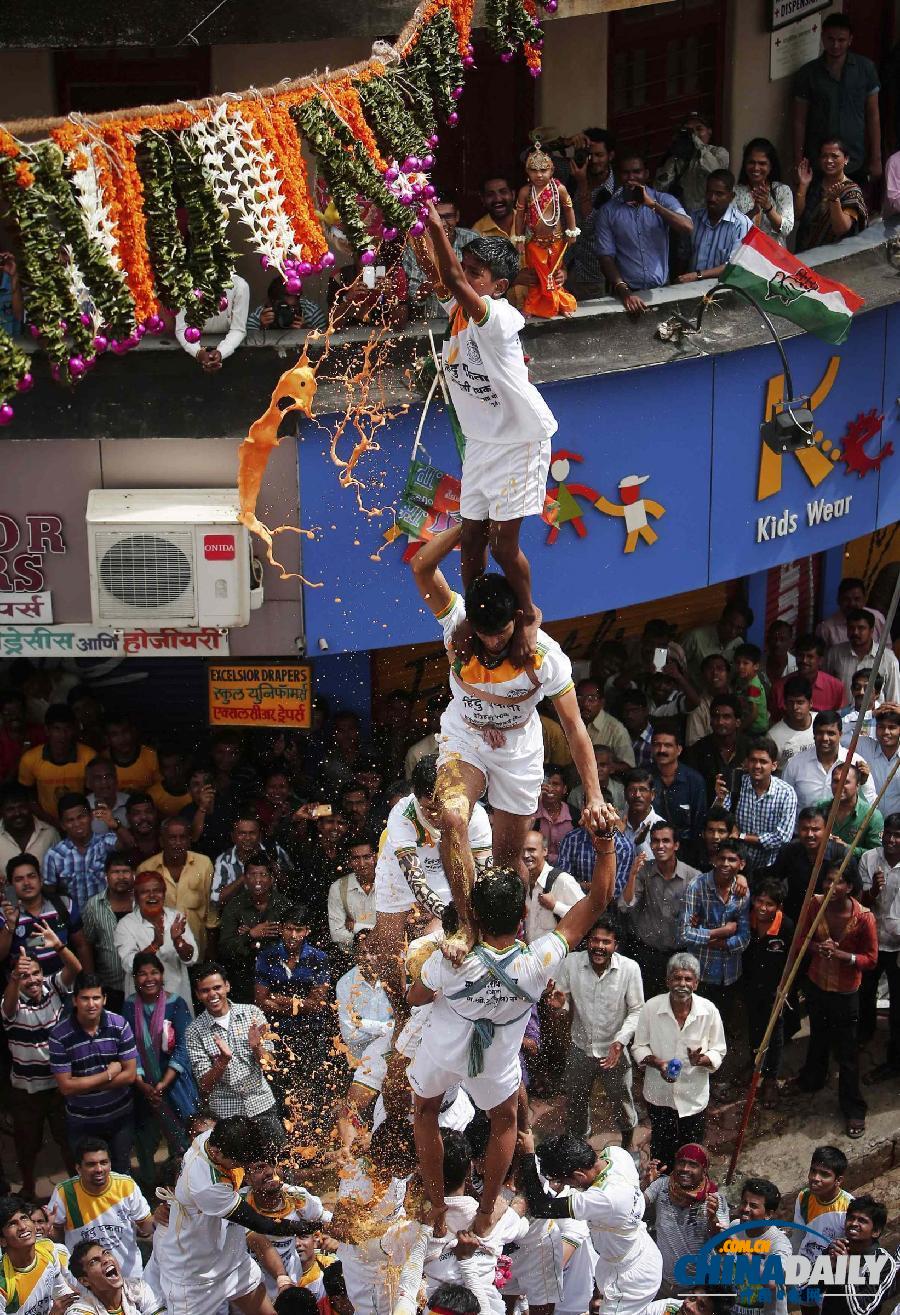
(124, 196)
(277, 133)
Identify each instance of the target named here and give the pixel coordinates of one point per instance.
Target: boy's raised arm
(451, 270)
(427, 574)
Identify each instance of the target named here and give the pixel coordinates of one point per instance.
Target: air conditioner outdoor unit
(168, 557)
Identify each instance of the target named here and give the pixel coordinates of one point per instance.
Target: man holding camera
(283, 310)
(591, 183)
(689, 162)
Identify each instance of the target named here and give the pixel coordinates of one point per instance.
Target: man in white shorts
(506, 423)
(479, 1014)
(491, 732)
(607, 1196)
(203, 1258)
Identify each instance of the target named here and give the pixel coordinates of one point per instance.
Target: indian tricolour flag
(783, 285)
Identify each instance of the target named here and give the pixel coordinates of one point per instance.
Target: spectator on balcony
(837, 93)
(369, 294)
(11, 306)
(632, 234)
(232, 322)
(690, 161)
(423, 304)
(499, 201)
(283, 310)
(761, 195)
(832, 206)
(591, 184)
(719, 229)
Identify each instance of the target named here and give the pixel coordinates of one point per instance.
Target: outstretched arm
(426, 570)
(582, 751)
(541, 1203)
(451, 271)
(576, 924)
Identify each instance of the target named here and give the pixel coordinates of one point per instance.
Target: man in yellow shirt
(171, 793)
(499, 201)
(57, 767)
(188, 878)
(137, 767)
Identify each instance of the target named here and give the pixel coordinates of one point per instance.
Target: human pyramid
(462, 991)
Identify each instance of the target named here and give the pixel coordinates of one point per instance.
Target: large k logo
(816, 465)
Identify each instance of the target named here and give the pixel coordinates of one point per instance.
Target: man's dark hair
(665, 726)
(751, 651)
(359, 839)
(721, 176)
(843, 21)
(796, 686)
(90, 1146)
(806, 644)
(809, 812)
(490, 601)
(453, 1297)
(727, 846)
(771, 888)
(424, 776)
(117, 858)
(719, 813)
(497, 176)
(765, 1188)
(871, 1209)
(850, 582)
(143, 959)
(79, 1251)
(862, 614)
(296, 915)
(714, 657)
(240, 1139)
(87, 982)
(602, 136)
(736, 607)
(850, 876)
(727, 701)
(765, 147)
(353, 787)
(638, 776)
(14, 792)
(297, 1301)
(258, 858)
(496, 253)
(59, 714)
(632, 157)
(562, 1155)
(553, 769)
(605, 923)
(763, 744)
(831, 1158)
(457, 1160)
(139, 797)
(892, 822)
(498, 901)
(865, 674)
(662, 825)
(71, 800)
(209, 968)
(22, 861)
(15, 1205)
(636, 697)
(828, 717)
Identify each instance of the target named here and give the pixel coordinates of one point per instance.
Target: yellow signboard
(261, 694)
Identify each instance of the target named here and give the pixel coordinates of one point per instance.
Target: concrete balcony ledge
(158, 391)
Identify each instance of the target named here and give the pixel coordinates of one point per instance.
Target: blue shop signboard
(660, 477)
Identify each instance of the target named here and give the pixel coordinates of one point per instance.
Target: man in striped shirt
(765, 808)
(32, 1006)
(94, 1060)
(719, 229)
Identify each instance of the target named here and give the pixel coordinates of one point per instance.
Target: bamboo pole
(796, 953)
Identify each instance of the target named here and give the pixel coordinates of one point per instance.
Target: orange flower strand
(24, 176)
(463, 12)
(346, 98)
(8, 145)
(124, 196)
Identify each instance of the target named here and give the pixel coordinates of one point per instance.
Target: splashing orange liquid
(297, 387)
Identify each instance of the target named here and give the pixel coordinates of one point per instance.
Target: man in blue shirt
(719, 229)
(633, 231)
(680, 793)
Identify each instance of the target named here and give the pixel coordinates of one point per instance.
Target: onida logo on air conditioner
(218, 547)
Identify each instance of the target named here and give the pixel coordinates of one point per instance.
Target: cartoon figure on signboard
(568, 511)
(634, 510)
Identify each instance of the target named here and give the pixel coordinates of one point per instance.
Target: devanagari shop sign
(27, 609)
(86, 640)
(261, 694)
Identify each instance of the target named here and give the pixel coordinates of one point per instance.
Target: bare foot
(456, 947)
(524, 640)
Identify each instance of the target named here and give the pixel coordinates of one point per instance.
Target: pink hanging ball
(264, 261)
(327, 260)
(418, 228)
(506, 56)
(468, 61)
(292, 286)
(223, 302)
(456, 92)
(391, 174)
(6, 414)
(535, 72)
(76, 366)
(190, 334)
(391, 234)
(34, 331)
(139, 331)
(433, 140)
(552, 6)
(25, 383)
(407, 198)
(90, 362)
(85, 319)
(100, 343)
(427, 162)
(155, 324)
(453, 118)
(304, 268)
(430, 191)
(367, 257)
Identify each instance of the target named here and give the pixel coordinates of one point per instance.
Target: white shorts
(428, 1080)
(629, 1290)
(372, 1066)
(457, 1112)
(537, 1271)
(514, 772)
(206, 1298)
(504, 481)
